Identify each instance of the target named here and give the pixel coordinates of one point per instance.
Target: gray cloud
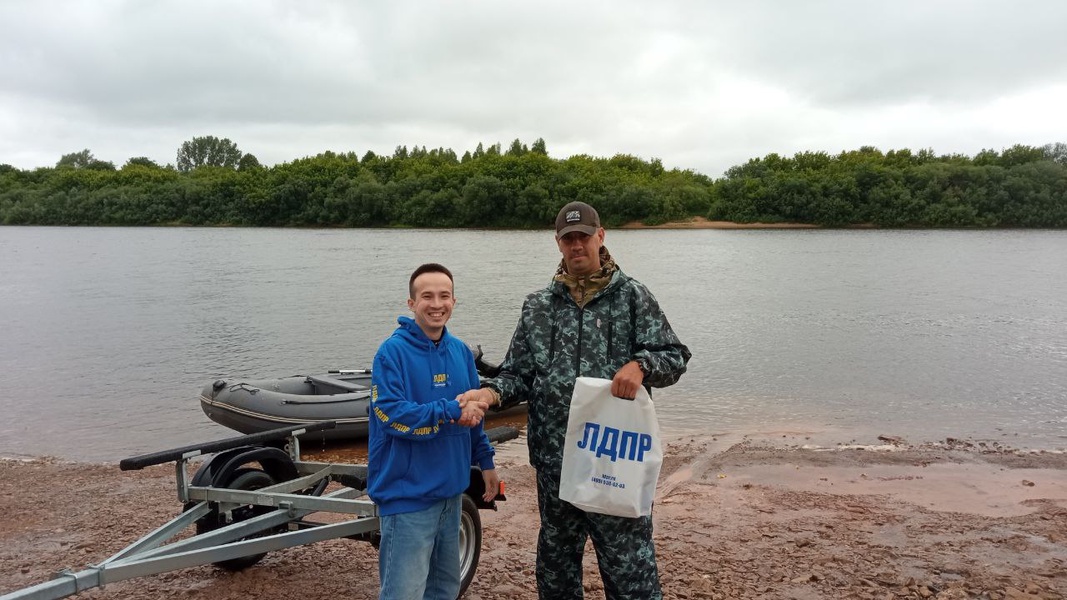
(849, 53)
(702, 85)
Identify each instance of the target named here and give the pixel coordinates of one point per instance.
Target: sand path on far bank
(704, 223)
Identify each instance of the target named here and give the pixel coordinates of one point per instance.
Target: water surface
(109, 333)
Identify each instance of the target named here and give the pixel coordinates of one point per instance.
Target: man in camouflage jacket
(593, 320)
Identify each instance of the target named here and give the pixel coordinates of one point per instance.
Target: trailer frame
(238, 526)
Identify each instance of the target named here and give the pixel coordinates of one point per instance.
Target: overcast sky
(702, 85)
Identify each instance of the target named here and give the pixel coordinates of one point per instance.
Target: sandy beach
(735, 517)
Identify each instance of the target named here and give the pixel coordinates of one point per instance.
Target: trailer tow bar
(249, 498)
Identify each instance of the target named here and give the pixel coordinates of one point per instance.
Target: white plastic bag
(612, 453)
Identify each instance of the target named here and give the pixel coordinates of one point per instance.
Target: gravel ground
(734, 518)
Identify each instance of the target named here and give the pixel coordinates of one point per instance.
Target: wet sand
(735, 517)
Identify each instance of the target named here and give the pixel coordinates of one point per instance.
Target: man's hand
(483, 396)
(472, 413)
(473, 408)
(492, 484)
(627, 381)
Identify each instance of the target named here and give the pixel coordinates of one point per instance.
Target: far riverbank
(704, 223)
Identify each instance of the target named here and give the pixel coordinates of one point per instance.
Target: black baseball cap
(577, 216)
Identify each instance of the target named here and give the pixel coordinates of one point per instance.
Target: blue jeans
(418, 558)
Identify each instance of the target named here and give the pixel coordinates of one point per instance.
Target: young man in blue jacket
(422, 443)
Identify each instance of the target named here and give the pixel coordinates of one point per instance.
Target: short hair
(427, 268)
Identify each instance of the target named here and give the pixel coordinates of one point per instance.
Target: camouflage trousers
(624, 550)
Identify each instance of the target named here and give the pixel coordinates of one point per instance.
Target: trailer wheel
(470, 542)
(246, 479)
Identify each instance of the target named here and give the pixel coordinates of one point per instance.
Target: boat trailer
(249, 497)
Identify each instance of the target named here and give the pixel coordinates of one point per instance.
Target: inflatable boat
(341, 396)
(252, 406)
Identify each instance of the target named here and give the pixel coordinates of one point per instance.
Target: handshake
(474, 404)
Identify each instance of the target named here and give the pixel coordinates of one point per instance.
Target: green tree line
(1023, 186)
(522, 187)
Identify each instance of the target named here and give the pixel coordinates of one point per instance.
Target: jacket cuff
(499, 401)
(453, 409)
(642, 363)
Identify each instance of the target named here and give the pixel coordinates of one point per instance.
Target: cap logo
(573, 215)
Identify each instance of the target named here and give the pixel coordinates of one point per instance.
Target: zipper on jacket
(611, 329)
(555, 325)
(578, 354)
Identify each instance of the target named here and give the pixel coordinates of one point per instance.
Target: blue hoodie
(416, 456)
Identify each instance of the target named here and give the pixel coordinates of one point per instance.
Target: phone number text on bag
(608, 480)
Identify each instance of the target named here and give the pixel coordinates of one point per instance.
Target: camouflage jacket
(555, 341)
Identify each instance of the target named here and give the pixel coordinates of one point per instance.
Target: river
(108, 334)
